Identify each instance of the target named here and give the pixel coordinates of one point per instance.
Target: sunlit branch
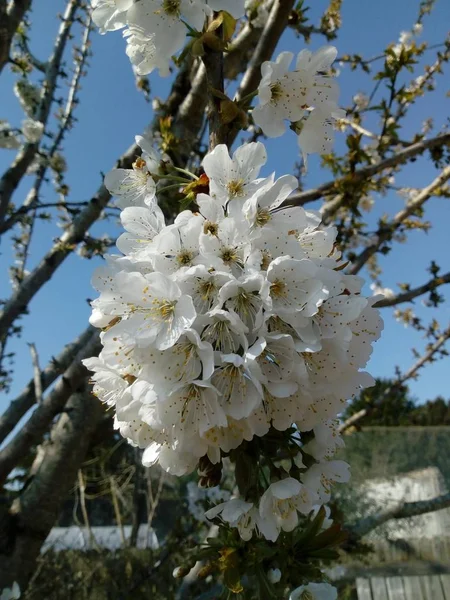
(327, 189)
(404, 510)
(13, 175)
(409, 295)
(387, 230)
(427, 357)
(11, 14)
(57, 365)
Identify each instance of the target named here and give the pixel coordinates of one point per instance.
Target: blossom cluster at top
(305, 96)
(234, 321)
(155, 30)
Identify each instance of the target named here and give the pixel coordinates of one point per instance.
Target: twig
(386, 231)
(415, 292)
(402, 511)
(410, 374)
(37, 373)
(82, 488)
(112, 487)
(31, 201)
(302, 198)
(12, 176)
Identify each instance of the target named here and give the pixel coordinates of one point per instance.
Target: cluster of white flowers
(314, 591)
(305, 96)
(155, 30)
(32, 130)
(29, 96)
(8, 137)
(12, 593)
(235, 319)
(257, 12)
(407, 39)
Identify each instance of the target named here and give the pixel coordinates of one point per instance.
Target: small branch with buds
(427, 357)
(410, 295)
(386, 231)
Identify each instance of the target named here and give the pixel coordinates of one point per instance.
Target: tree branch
(213, 61)
(31, 201)
(37, 378)
(431, 350)
(386, 231)
(404, 510)
(34, 512)
(12, 176)
(38, 423)
(22, 404)
(409, 295)
(10, 17)
(401, 157)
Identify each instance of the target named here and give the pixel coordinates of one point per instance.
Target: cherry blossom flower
(314, 591)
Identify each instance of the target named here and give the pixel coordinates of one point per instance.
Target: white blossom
(237, 513)
(32, 130)
(226, 323)
(314, 591)
(274, 575)
(8, 139)
(12, 593)
(280, 505)
(286, 95)
(135, 186)
(110, 15)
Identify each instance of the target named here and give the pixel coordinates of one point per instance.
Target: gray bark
(57, 365)
(40, 420)
(34, 513)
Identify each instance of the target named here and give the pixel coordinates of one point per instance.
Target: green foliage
(398, 407)
(130, 573)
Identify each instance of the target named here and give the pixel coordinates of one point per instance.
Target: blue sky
(111, 112)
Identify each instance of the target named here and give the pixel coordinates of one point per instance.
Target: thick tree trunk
(34, 513)
(10, 17)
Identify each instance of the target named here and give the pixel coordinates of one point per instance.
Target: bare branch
(401, 157)
(404, 510)
(386, 231)
(22, 404)
(74, 234)
(38, 423)
(37, 380)
(10, 18)
(428, 355)
(31, 201)
(214, 66)
(409, 295)
(12, 176)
